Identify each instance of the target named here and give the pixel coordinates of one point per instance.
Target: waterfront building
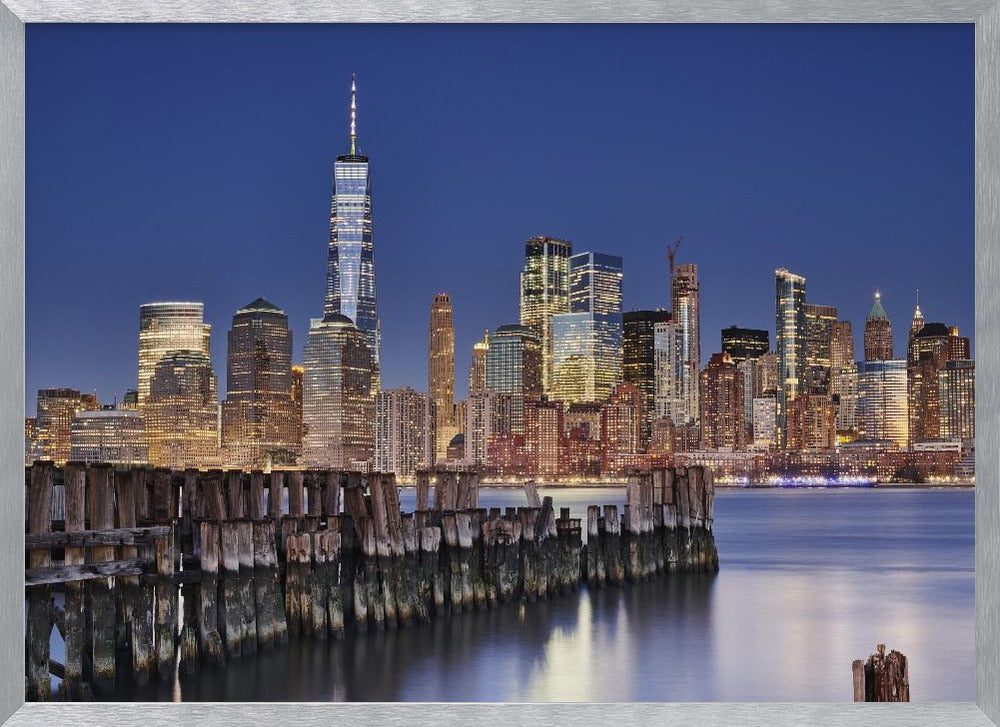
(32, 449)
(580, 455)
(721, 400)
(260, 425)
(767, 374)
(790, 342)
(620, 427)
(441, 371)
(595, 284)
(337, 403)
(812, 422)
(765, 422)
(686, 313)
(113, 436)
(882, 402)
(957, 395)
(164, 328)
(639, 362)
(456, 448)
(585, 416)
(489, 414)
(182, 412)
(477, 369)
(844, 395)
(514, 366)
(819, 322)
(350, 269)
(744, 343)
(543, 437)
(841, 345)
(927, 353)
(545, 293)
(297, 373)
(878, 332)
(663, 437)
(55, 409)
(958, 346)
(405, 432)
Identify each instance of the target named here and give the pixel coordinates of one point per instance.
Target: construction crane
(671, 253)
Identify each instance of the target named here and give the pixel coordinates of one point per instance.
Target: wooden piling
(885, 677)
(74, 613)
(39, 618)
(101, 513)
(209, 639)
(166, 608)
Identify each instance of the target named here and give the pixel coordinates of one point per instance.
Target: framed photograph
(557, 364)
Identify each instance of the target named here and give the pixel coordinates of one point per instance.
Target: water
(810, 580)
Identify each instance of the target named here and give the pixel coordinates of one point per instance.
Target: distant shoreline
(750, 486)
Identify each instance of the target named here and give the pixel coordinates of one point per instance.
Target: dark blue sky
(194, 163)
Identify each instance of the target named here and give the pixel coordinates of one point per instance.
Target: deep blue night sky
(194, 163)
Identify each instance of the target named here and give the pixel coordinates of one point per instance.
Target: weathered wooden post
(452, 565)
(431, 583)
(318, 586)
(209, 638)
(544, 542)
(102, 602)
(166, 607)
(529, 553)
(335, 597)
(232, 607)
(423, 490)
(883, 678)
(612, 546)
(39, 627)
(531, 492)
(74, 615)
(272, 627)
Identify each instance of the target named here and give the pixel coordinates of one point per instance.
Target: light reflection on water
(809, 581)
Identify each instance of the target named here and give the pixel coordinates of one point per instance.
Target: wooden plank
(47, 575)
(39, 616)
(74, 540)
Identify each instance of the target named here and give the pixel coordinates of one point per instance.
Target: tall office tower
(441, 371)
(819, 337)
(167, 327)
(686, 300)
(350, 268)
(545, 292)
(259, 419)
(744, 343)
(844, 394)
(337, 403)
(587, 341)
(114, 436)
(915, 327)
(639, 362)
(841, 345)
(297, 372)
(130, 400)
(543, 435)
(721, 401)
(767, 373)
(182, 412)
(32, 449)
(750, 372)
(928, 352)
(489, 415)
(620, 425)
(878, 333)
(812, 423)
(958, 346)
(957, 383)
(790, 341)
(55, 411)
(514, 366)
(765, 434)
(882, 409)
(676, 395)
(405, 434)
(477, 369)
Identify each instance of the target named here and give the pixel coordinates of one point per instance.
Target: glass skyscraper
(167, 327)
(182, 412)
(639, 361)
(587, 341)
(545, 292)
(514, 366)
(882, 402)
(350, 270)
(790, 341)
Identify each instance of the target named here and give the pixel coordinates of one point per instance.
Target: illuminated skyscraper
(841, 345)
(915, 327)
(686, 313)
(182, 412)
(488, 416)
(350, 270)
(721, 400)
(297, 374)
(441, 371)
(790, 341)
(114, 436)
(545, 293)
(514, 366)
(477, 369)
(337, 403)
(819, 320)
(259, 419)
(744, 343)
(587, 341)
(957, 383)
(55, 411)
(882, 407)
(878, 333)
(812, 423)
(167, 327)
(543, 434)
(675, 396)
(620, 426)
(639, 362)
(404, 432)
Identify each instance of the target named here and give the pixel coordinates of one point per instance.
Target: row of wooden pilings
(164, 571)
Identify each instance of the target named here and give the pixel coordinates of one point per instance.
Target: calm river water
(810, 580)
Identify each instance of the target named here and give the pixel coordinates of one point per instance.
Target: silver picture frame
(985, 14)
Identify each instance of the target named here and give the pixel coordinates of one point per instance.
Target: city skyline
(109, 366)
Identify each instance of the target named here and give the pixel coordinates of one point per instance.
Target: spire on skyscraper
(354, 113)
